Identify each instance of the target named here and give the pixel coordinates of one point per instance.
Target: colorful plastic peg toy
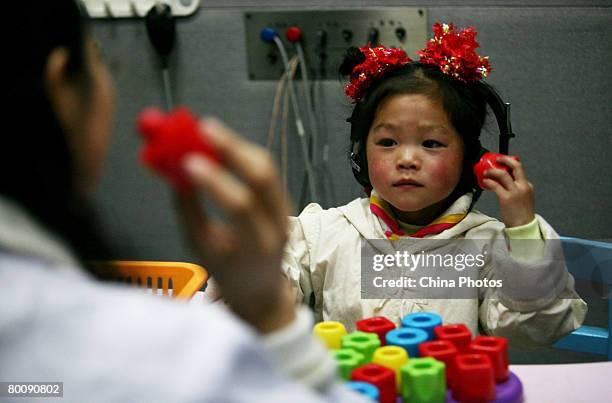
(168, 138)
(423, 320)
(381, 377)
(441, 350)
(379, 325)
(486, 162)
(408, 338)
(474, 380)
(330, 333)
(392, 357)
(423, 381)
(366, 389)
(497, 350)
(364, 343)
(453, 367)
(347, 360)
(458, 334)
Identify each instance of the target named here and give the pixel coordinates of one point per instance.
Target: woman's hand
(513, 191)
(244, 253)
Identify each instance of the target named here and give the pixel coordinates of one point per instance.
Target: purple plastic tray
(510, 391)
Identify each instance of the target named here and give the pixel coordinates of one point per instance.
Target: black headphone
(500, 109)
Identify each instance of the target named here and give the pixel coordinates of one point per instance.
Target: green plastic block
(347, 360)
(364, 343)
(423, 381)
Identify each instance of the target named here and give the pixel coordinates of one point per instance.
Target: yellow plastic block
(392, 357)
(330, 333)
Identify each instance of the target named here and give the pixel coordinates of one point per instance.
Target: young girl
(415, 136)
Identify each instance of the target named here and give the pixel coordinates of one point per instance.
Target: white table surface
(571, 383)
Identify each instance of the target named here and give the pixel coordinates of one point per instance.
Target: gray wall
(551, 60)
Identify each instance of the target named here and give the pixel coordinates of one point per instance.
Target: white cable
(298, 121)
(281, 96)
(314, 135)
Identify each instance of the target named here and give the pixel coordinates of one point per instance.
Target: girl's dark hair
(37, 169)
(465, 104)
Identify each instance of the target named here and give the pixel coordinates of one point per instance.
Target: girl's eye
(432, 144)
(386, 142)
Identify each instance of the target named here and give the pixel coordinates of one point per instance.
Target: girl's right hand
(243, 254)
(514, 192)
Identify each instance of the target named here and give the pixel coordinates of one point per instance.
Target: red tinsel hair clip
(455, 53)
(378, 61)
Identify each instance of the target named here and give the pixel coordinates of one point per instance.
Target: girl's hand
(513, 191)
(244, 253)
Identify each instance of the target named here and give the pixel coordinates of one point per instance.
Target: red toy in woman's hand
(489, 161)
(168, 138)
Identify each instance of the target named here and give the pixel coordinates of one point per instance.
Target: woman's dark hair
(37, 169)
(464, 103)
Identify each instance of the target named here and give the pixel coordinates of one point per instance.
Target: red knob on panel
(293, 34)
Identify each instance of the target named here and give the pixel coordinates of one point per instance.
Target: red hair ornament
(378, 61)
(454, 53)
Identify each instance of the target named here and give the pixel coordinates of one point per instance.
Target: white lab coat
(111, 343)
(323, 261)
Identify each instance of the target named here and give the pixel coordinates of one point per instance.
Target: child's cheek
(445, 172)
(379, 170)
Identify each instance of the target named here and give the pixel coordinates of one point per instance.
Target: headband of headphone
(501, 110)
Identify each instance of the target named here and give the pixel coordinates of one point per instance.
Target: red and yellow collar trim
(382, 210)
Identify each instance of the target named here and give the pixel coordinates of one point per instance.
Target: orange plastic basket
(174, 279)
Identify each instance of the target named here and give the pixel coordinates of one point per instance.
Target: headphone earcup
(482, 152)
(358, 166)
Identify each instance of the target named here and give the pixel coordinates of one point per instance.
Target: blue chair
(590, 262)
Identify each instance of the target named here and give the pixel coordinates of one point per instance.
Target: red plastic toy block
(168, 138)
(379, 325)
(381, 377)
(497, 350)
(473, 378)
(457, 334)
(486, 162)
(441, 350)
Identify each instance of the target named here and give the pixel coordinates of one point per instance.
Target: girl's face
(414, 156)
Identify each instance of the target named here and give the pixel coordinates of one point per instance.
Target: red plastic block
(378, 324)
(486, 162)
(473, 378)
(168, 138)
(497, 350)
(441, 350)
(381, 377)
(457, 334)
